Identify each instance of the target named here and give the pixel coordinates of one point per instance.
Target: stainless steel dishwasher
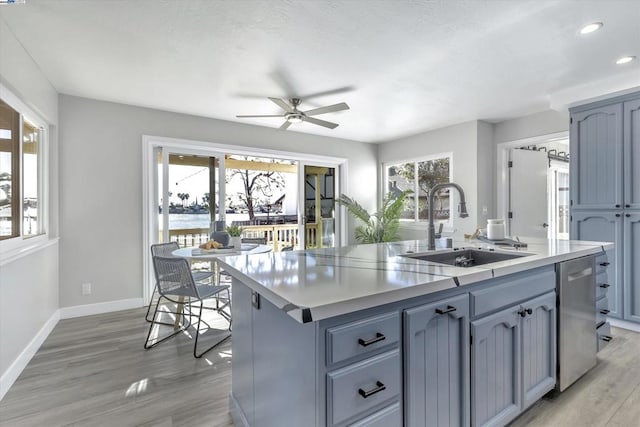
(576, 319)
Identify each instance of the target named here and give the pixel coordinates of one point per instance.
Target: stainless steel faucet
(462, 209)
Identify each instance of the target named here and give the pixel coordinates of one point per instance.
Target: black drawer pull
(605, 285)
(449, 309)
(605, 311)
(617, 215)
(377, 338)
(525, 311)
(606, 338)
(627, 206)
(605, 264)
(617, 206)
(627, 215)
(379, 387)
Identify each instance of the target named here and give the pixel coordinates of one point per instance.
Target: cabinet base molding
(236, 413)
(624, 324)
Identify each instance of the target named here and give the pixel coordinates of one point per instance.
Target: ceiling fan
(293, 115)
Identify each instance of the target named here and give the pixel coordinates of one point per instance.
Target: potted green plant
(236, 235)
(381, 226)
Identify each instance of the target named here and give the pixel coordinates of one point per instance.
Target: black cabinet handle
(627, 206)
(617, 206)
(525, 311)
(606, 338)
(627, 215)
(449, 309)
(605, 311)
(379, 387)
(379, 337)
(605, 264)
(605, 285)
(617, 215)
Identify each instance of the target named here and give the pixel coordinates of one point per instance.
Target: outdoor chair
(165, 250)
(176, 284)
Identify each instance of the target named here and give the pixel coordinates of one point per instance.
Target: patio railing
(276, 235)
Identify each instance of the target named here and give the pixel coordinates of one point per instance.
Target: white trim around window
(20, 246)
(416, 222)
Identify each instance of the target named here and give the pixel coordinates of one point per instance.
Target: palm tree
(381, 226)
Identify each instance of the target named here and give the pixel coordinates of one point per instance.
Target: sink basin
(466, 257)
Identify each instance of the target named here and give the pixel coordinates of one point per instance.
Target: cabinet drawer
(604, 335)
(356, 388)
(511, 290)
(602, 309)
(389, 416)
(602, 262)
(602, 284)
(361, 337)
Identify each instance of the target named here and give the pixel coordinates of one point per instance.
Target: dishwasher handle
(580, 274)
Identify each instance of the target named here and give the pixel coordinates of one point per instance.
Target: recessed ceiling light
(625, 60)
(590, 28)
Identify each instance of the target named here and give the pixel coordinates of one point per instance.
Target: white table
(246, 249)
(211, 256)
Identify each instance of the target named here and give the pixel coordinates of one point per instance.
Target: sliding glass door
(188, 195)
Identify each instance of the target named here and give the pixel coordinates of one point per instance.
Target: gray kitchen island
(383, 335)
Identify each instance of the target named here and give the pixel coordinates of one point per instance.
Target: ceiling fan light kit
(293, 115)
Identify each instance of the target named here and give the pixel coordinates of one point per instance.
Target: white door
(528, 209)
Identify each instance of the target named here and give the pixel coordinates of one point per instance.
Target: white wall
(486, 176)
(544, 123)
(101, 207)
(461, 140)
(29, 284)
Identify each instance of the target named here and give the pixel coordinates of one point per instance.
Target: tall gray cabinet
(605, 192)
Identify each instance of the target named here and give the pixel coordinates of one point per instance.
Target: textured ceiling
(403, 66)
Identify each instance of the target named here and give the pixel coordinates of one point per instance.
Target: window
(21, 177)
(429, 172)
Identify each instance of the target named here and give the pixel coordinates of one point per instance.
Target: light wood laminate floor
(93, 371)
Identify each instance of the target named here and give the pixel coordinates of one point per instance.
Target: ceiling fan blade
(282, 104)
(328, 92)
(285, 125)
(328, 109)
(268, 115)
(320, 122)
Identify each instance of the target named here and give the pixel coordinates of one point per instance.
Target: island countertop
(316, 284)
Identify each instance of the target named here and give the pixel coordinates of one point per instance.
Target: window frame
(416, 221)
(20, 244)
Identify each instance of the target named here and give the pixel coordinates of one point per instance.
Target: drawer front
(387, 417)
(511, 291)
(362, 337)
(602, 284)
(359, 387)
(602, 309)
(604, 335)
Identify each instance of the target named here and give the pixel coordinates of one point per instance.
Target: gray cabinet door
(436, 341)
(596, 158)
(495, 368)
(632, 154)
(632, 266)
(538, 348)
(604, 226)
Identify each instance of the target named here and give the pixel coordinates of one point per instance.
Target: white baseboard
(13, 372)
(623, 324)
(99, 308)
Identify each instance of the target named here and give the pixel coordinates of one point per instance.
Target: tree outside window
(402, 176)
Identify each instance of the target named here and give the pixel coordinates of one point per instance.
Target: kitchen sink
(466, 257)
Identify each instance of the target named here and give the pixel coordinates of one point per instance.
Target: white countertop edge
(304, 314)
